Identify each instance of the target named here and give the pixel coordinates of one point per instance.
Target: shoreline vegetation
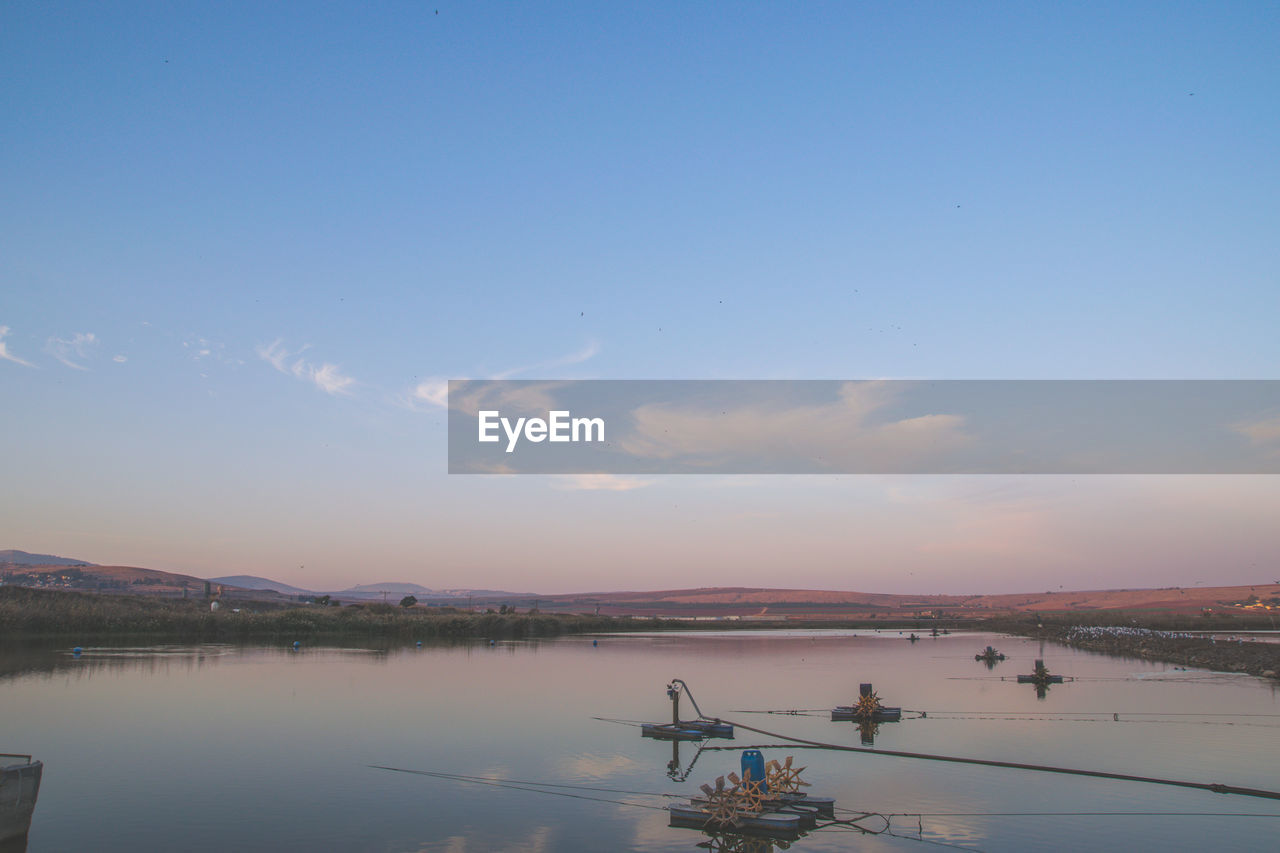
(49, 614)
(83, 617)
(1175, 646)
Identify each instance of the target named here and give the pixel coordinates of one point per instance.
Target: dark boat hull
(687, 730)
(19, 787)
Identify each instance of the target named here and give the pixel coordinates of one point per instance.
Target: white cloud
(433, 391)
(120, 359)
(78, 346)
(327, 377)
(330, 380)
(4, 350)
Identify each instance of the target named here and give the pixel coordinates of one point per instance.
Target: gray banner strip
(864, 427)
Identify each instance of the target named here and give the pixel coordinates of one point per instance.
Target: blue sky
(235, 241)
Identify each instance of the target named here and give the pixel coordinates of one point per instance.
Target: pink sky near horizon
(872, 534)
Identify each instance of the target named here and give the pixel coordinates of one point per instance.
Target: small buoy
(419, 644)
(492, 642)
(297, 645)
(77, 650)
(595, 642)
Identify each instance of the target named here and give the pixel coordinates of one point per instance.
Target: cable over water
(1216, 787)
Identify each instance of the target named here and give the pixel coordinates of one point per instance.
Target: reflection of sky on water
(211, 748)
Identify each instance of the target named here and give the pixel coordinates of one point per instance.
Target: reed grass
(53, 613)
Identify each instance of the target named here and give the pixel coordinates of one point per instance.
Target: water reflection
(18, 659)
(163, 743)
(675, 771)
(728, 842)
(989, 656)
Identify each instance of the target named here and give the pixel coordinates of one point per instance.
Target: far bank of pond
(89, 617)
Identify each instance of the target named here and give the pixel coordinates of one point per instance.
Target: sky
(242, 247)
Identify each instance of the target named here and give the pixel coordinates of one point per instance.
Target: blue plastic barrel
(753, 764)
(297, 644)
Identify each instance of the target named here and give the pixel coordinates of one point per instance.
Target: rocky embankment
(1223, 655)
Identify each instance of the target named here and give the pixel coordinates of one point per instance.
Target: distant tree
(408, 601)
(503, 610)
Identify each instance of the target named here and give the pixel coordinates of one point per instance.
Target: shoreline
(36, 615)
(1240, 657)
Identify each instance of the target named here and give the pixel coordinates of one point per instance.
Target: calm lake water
(235, 748)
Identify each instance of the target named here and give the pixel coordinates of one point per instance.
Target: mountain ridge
(14, 557)
(698, 601)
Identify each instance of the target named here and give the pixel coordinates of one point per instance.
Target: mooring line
(515, 785)
(461, 777)
(1114, 719)
(1216, 787)
(1097, 713)
(636, 723)
(1079, 814)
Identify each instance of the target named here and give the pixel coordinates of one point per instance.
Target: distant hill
(129, 579)
(810, 603)
(375, 590)
(119, 579)
(371, 590)
(254, 582)
(22, 558)
(21, 568)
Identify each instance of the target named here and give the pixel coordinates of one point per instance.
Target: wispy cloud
(1261, 433)
(325, 376)
(499, 468)
(589, 351)
(201, 349)
(526, 397)
(839, 433)
(599, 483)
(71, 350)
(275, 354)
(120, 359)
(434, 391)
(4, 350)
